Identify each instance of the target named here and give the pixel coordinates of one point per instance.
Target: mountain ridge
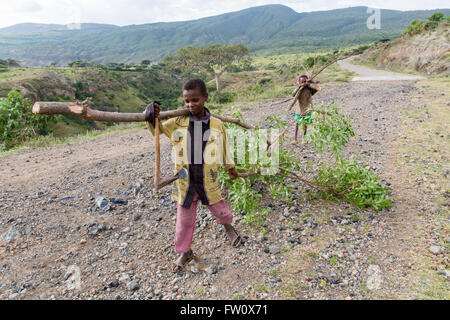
(269, 29)
(30, 27)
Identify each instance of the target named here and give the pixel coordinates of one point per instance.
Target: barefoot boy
(200, 146)
(304, 102)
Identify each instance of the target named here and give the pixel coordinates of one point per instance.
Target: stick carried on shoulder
(83, 111)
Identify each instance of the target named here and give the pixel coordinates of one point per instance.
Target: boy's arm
(164, 128)
(314, 88)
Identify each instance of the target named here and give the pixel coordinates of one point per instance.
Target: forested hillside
(264, 29)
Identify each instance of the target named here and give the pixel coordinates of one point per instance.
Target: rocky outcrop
(427, 52)
(50, 84)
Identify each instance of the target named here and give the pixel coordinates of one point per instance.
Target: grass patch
(422, 154)
(274, 273)
(17, 74)
(261, 287)
(430, 285)
(292, 289)
(201, 290)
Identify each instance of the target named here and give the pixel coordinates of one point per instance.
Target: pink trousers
(185, 224)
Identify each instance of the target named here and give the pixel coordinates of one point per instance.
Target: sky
(127, 12)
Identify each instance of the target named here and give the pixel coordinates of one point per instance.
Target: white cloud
(27, 6)
(126, 12)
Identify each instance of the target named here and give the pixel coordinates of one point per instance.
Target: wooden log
(157, 155)
(233, 120)
(84, 112)
(248, 174)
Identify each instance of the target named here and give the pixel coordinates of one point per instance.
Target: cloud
(32, 7)
(26, 6)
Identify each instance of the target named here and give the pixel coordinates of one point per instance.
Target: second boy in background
(302, 117)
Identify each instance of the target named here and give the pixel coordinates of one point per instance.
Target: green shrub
(225, 97)
(271, 66)
(80, 88)
(318, 60)
(263, 81)
(360, 49)
(255, 89)
(17, 122)
(415, 27)
(433, 21)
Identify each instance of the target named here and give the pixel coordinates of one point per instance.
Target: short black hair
(196, 84)
(303, 76)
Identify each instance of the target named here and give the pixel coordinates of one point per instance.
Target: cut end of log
(36, 108)
(77, 109)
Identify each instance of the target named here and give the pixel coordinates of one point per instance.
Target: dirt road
(56, 243)
(366, 74)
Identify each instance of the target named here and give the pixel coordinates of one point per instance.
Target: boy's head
(195, 96)
(302, 78)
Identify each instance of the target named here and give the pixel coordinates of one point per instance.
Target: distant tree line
(111, 65)
(4, 63)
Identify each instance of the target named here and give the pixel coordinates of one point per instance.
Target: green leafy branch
(330, 132)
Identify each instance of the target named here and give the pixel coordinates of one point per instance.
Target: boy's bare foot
(233, 236)
(183, 259)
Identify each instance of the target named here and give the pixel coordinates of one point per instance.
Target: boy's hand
(233, 174)
(157, 108)
(152, 111)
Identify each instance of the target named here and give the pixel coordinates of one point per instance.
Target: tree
(79, 64)
(10, 63)
(213, 59)
(434, 20)
(13, 63)
(437, 17)
(145, 62)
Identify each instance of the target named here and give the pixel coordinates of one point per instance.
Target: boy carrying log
(200, 146)
(308, 89)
